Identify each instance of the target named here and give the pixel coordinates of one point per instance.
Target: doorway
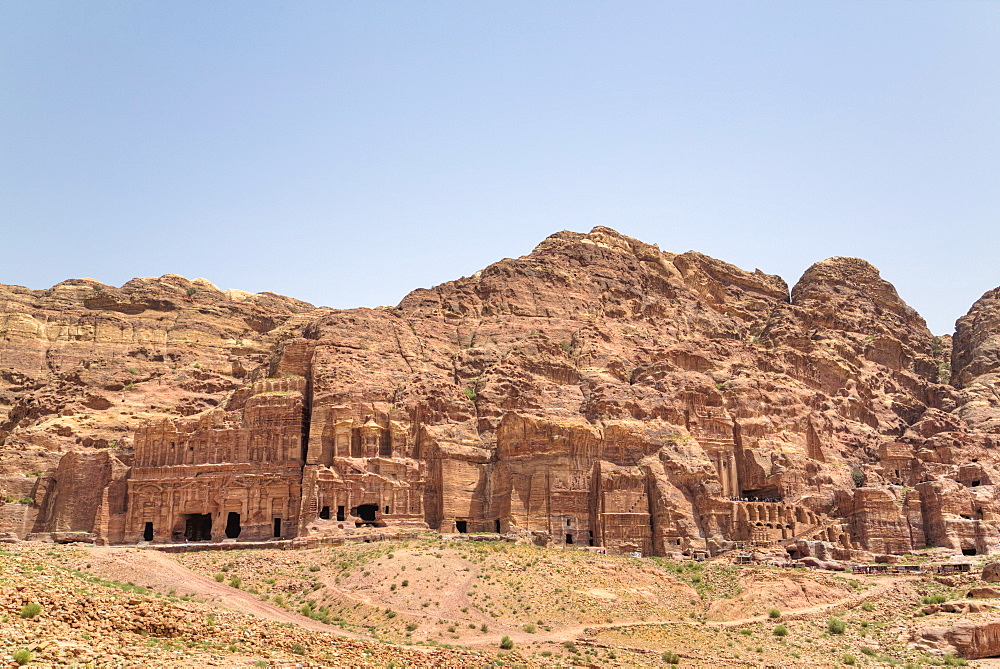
(198, 527)
(233, 528)
(461, 526)
(147, 532)
(277, 528)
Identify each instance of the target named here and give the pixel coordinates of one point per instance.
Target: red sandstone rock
(595, 391)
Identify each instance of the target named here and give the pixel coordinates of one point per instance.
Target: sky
(345, 153)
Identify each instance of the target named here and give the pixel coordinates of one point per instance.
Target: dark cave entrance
(340, 513)
(147, 532)
(277, 528)
(461, 526)
(769, 493)
(968, 551)
(198, 526)
(368, 514)
(233, 528)
(324, 513)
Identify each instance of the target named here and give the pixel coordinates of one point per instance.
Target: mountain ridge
(658, 396)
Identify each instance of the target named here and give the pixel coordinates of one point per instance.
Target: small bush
(868, 606)
(298, 649)
(670, 658)
(847, 658)
(411, 626)
(951, 660)
(570, 646)
(484, 628)
(836, 626)
(529, 628)
(314, 567)
(774, 613)
(934, 599)
(235, 582)
(506, 643)
(780, 631)
(31, 610)
(220, 577)
(405, 583)
(870, 652)
(22, 656)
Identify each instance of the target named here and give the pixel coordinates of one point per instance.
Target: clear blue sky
(347, 152)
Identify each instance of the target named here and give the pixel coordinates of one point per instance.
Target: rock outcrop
(598, 391)
(970, 640)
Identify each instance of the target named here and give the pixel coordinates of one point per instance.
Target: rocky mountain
(597, 391)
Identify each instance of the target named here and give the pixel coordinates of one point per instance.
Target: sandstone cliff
(597, 391)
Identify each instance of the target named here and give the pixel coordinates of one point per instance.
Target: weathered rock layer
(598, 391)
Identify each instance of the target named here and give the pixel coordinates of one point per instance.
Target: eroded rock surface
(598, 391)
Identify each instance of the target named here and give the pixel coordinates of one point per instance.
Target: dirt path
(159, 572)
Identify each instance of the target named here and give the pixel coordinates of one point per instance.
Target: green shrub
(570, 646)
(22, 656)
(836, 626)
(298, 649)
(529, 628)
(314, 567)
(411, 626)
(780, 631)
(31, 610)
(847, 658)
(484, 628)
(870, 652)
(868, 606)
(951, 660)
(235, 582)
(934, 599)
(220, 577)
(774, 613)
(670, 658)
(506, 643)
